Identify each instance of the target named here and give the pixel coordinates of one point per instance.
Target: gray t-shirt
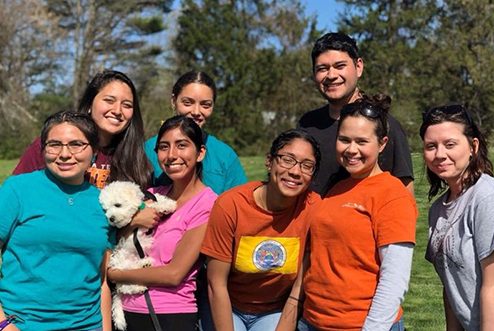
(461, 234)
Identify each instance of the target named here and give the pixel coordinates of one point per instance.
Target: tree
(107, 33)
(249, 47)
(28, 35)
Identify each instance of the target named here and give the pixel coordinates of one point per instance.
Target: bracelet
(294, 298)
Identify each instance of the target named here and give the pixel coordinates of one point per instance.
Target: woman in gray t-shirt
(461, 226)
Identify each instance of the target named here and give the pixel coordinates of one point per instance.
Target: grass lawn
(423, 303)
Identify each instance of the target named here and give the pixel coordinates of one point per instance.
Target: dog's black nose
(118, 205)
(112, 218)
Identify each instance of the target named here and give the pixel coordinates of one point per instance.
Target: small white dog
(121, 201)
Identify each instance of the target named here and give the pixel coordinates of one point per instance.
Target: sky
(326, 11)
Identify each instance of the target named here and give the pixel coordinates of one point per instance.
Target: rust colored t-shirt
(33, 160)
(265, 248)
(347, 228)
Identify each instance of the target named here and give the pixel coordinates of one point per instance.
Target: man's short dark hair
(335, 41)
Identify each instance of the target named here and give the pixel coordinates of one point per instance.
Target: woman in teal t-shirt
(55, 236)
(194, 95)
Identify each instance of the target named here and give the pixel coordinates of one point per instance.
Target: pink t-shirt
(167, 235)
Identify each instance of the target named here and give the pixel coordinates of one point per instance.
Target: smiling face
(290, 183)
(67, 167)
(358, 148)
(178, 155)
(195, 101)
(336, 76)
(112, 109)
(447, 152)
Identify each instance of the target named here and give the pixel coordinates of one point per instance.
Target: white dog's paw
(164, 204)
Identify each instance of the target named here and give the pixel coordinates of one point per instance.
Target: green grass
(423, 303)
(6, 167)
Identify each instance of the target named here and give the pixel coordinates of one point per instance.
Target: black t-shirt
(395, 157)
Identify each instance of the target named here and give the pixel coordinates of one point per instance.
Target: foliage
(249, 48)
(426, 53)
(101, 34)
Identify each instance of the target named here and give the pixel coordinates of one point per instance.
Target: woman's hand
(146, 218)
(11, 327)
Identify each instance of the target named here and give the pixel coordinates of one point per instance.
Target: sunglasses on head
(448, 110)
(366, 110)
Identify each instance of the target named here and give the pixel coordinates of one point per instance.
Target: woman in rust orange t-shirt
(362, 234)
(256, 237)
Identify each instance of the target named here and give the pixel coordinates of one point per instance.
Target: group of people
(325, 242)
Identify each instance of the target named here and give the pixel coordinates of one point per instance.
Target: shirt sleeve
(31, 160)
(9, 210)
(395, 221)
(235, 174)
(220, 235)
(483, 227)
(394, 276)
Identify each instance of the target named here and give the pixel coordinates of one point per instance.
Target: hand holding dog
(146, 218)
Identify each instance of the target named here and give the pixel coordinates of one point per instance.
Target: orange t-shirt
(347, 228)
(265, 248)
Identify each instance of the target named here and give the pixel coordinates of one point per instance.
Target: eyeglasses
(74, 147)
(288, 162)
(366, 110)
(448, 110)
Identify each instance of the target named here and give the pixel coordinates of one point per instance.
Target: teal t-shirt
(54, 238)
(221, 167)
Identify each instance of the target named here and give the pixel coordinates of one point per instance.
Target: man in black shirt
(337, 66)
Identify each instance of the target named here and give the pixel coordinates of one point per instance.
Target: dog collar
(142, 206)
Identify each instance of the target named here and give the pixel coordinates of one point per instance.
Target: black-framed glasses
(74, 147)
(448, 110)
(364, 109)
(288, 162)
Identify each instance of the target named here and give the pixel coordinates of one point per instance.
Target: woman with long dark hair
(111, 100)
(177, 239)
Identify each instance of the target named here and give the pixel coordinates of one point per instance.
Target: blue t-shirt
(221, 167)
(54, 238)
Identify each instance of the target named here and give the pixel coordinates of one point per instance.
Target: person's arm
(105, 295)
(394, 275)
(452, 323)
(172, 274)
(294, 303)
(219, 299)
(146, 218)
(408, 182)
(487, 294)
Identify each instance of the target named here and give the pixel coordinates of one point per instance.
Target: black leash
(152, 313)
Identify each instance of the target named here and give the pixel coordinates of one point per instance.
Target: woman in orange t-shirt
(256, 237)
(362, 233)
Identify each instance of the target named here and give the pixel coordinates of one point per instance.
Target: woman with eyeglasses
(362, 233)
(461, 226)
(54, 236)
(256, 237)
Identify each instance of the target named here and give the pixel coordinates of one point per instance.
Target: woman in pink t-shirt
(177, 239)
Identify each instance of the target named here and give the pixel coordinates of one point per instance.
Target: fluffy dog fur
(121, 200)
